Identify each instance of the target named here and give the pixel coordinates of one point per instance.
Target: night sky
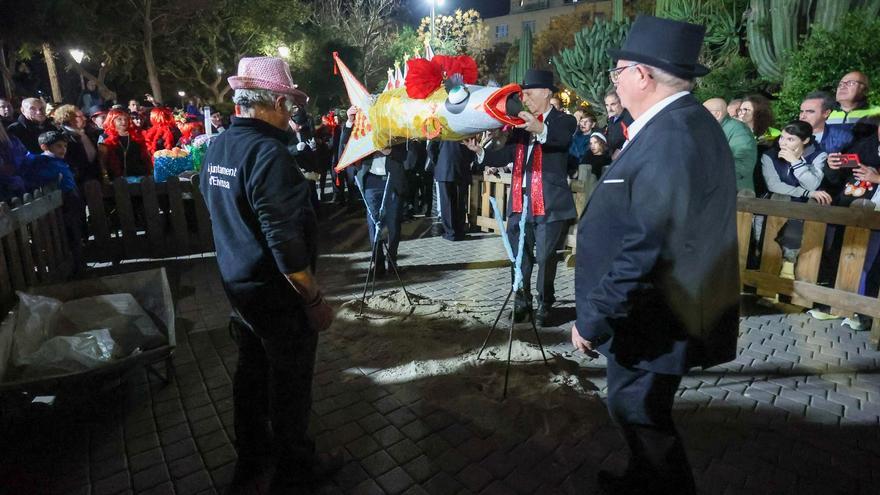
(487, 8)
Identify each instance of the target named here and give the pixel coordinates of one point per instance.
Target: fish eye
(458, 95)
(457, 98)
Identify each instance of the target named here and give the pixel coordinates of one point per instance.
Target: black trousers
(453, 209)
(339, 183)
(542, 242)
(273, 382)
(424, 194)
(640, 403)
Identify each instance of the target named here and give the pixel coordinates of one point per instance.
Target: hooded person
(265, 233)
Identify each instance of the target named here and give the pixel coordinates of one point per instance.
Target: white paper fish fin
(357, 93)
(360, 144)
(357, 147)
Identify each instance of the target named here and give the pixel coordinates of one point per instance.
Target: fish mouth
(505, 104)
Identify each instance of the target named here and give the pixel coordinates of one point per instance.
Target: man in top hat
(537, 152)
(265, 234)
(657, 278)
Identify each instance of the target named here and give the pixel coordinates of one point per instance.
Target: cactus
(518, 69)
(583, 68)
(774, 28)
(723, 21)
(514, 73)
(617, 11)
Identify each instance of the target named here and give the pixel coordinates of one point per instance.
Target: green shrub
(736, 78)
(824, 57)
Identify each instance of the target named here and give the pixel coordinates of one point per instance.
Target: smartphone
(849, 160)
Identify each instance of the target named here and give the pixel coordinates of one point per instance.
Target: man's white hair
(31, 102)
(248, 99)
(670, 81)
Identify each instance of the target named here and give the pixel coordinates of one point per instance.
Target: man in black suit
(538, 152)
(618, 121)
(374, 172)
(657, 277)
(452, 171)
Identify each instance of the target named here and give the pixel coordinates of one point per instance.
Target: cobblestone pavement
(796, 412)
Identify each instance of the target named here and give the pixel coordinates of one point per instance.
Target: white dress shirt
(646, 117)
(540, 137)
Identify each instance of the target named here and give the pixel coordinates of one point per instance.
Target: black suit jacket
(393, 164)
(657, 275)
(452, 161)
(614, 133)
(558, 200)
(304, 159)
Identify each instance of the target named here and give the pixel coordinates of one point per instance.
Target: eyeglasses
(614, 74)
(850, 83)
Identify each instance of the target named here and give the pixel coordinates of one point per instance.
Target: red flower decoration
(423, 77)
(462, 64)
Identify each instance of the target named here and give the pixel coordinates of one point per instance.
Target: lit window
(501, 31)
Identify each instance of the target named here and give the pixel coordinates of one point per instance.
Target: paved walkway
(797, 412)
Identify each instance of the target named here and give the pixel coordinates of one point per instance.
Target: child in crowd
(50, 168)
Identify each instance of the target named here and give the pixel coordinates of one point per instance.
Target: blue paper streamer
(376, 223)
(517, 261)
(500, 220)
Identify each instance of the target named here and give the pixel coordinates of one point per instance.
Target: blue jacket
(657, 271)
(40, 170)
(836, 138)
(580, 146)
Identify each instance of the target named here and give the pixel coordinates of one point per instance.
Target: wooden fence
(480, 212)
(33, 247)
(146, 220)
(842, 296)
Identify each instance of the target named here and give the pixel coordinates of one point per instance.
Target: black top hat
(538, 79)
(668, 45)
(96, 110)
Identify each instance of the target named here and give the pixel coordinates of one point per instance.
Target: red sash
(536, 187)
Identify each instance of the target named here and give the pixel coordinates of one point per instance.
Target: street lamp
(78, 56)
(283, 51)
(434, 4)
(182, 94)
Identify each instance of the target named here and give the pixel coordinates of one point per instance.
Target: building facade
(536, 15)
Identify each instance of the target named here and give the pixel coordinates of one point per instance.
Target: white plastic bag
(129, 325)
(68, 354)
(35, 323)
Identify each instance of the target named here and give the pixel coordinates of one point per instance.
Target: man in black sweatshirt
(265, 237)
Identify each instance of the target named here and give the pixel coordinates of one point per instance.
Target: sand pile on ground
(432, 347)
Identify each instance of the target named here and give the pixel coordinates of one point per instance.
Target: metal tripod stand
(515, 286)
(378, 223)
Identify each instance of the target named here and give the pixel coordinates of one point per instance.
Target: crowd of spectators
(66, 145)
(829, 154)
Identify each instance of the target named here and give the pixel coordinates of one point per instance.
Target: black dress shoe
(247, 471)
(541, 315)
(627, 484)
(306, 478)
(521, 313)
(612, 484)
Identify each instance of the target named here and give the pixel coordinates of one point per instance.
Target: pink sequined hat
(269, 73)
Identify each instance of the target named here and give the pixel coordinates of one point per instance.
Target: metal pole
(433, 3)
